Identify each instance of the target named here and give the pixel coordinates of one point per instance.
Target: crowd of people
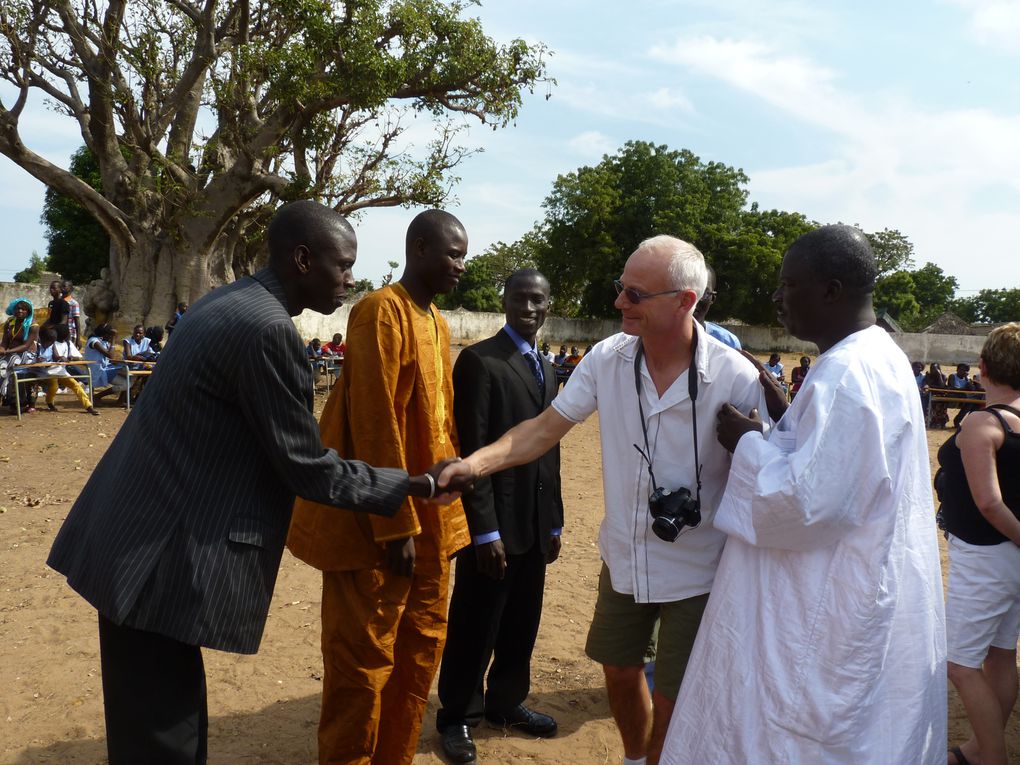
(769, 549)
(41, 357)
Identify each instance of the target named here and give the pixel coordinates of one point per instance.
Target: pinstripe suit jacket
(181, 527)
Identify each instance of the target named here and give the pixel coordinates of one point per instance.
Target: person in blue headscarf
(18, 344)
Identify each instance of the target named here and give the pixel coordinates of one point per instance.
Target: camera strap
(692, 391)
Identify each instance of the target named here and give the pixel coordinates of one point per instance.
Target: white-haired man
(640, 383)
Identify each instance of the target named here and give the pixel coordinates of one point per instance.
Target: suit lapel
(520, 366)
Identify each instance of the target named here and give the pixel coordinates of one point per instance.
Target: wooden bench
(17, 379)
(975, 398)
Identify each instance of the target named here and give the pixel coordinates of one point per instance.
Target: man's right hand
(775, 396)
(491, 558)
(400, 556)
(456, 477)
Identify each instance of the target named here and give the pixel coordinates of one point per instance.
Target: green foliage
(36, 266)
(79, 248)
(994, 306)
(363, 285)
(895, 293)
(203, 115)
(916, 298)
(893, 251)
(596, 216)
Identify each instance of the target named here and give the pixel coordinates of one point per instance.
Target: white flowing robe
(824, 636)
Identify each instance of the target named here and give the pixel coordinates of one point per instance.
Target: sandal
(52, 408)
(958, 754)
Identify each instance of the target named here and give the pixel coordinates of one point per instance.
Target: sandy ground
(264, 708)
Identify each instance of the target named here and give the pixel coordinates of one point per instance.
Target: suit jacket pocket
(248, 531)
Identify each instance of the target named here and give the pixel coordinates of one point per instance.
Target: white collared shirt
(641, 564)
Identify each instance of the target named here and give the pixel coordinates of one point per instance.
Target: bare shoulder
(980, 429)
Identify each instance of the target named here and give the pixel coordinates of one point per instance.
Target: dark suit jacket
(181, 527)
(494, 390)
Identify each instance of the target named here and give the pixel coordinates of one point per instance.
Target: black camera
(672, 510)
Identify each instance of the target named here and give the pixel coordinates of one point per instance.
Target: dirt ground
(264, 708)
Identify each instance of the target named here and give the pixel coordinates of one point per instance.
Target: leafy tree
(895, 293)
(934, 292)
(79, 248)
(363, 285)
(992, 306)
(481, 285)
(893, 251)
(596, 216)
(203, 115)
(36, 266)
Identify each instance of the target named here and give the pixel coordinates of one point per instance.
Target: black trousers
(155, 698)
(490, 619)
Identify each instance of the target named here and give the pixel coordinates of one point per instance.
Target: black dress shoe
(458, 746)
(523, 719)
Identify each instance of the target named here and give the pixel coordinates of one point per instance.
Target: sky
(900, 115)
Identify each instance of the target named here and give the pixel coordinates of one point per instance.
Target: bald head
(431, 225)
(305, 223)
(838, 252)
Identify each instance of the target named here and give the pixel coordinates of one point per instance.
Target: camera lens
(666, 528)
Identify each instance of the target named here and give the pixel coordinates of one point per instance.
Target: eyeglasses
(635, 297)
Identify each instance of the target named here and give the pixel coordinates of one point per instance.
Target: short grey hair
(687, 269)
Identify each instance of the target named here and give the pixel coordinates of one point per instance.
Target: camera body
(671, 511)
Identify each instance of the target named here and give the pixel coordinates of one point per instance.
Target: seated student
(918, 369)
(55, 346)
(138, 348)
(960, 380)
(546, 353)
(17, 346)
(560, 358)
(573, 359)
(107, 374)
(182, 308)
(775, 368)
(155, 335)
(939, 410)
(336, 346)
(798, 375)
(314, 349)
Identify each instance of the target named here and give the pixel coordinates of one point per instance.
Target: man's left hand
(554, 548)
(731, 425)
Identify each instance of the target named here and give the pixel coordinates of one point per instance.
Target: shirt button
(540, 486)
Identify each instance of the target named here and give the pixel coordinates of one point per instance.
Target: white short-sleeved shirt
(641, 564)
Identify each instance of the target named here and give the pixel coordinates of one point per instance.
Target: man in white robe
(824, 636)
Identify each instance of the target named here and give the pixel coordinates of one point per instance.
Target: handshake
(443, 482)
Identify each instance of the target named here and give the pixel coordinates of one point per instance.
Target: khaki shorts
(628, 634)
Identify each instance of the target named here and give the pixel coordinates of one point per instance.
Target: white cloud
(591, 144)
(995, 23)
(669, 99)
(894, 165)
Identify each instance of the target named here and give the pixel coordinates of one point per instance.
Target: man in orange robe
(385, 580)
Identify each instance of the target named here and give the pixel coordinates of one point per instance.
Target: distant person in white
(824, 636)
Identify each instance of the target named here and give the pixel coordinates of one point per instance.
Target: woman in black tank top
(978, 484)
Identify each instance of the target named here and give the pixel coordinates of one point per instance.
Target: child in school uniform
(55, 346)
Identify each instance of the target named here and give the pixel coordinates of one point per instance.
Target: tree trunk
(159, 272)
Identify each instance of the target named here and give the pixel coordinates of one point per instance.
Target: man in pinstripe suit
(225, 439)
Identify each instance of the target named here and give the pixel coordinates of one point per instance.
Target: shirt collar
(520, 342)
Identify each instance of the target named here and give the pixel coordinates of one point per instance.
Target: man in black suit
(515, 518)
(176, 539)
